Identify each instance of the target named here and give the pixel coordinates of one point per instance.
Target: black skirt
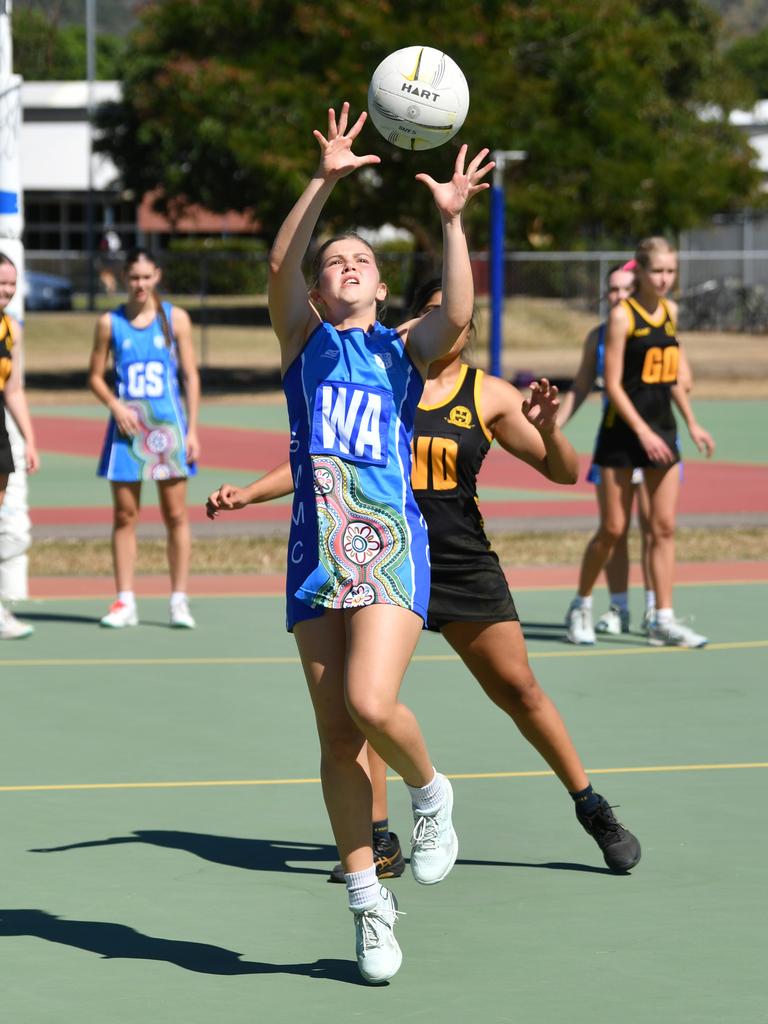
(477, 592)
(6, 456)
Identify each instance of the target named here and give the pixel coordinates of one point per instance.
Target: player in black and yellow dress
(13, 399)
(639, 430)
(461, 413)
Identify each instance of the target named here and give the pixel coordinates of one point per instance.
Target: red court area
(720, 489)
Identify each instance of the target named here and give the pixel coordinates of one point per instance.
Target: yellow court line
(735, 645)
(304, 782)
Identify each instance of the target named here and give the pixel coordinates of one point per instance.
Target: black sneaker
(621, 849)
(387, 856)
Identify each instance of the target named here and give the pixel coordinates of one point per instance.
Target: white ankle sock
(428, 799)
(650, 600)
(127, 597)
(664, 615)
(362, 888)
(584, 602)
(177, 596)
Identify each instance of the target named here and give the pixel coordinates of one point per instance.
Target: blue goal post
(501, 157)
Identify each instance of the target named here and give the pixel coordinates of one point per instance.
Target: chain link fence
(724, 290)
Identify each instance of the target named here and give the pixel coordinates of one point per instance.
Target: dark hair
(133, 256)
(6, 259)
(317, 259)
(424, 293)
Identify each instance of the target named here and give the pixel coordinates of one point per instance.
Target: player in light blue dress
(149, 437)
(358, 555)
(147, 381)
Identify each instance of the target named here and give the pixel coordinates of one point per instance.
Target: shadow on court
(543, 630)
(274, 854)
(554, 865)
(251, 854)
(117, 941)
(556, 631)
(90, 620)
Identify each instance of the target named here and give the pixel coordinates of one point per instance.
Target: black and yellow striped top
(6, 347)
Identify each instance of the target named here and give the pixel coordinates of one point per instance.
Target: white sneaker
(578, 621)
(120, 615)
(648, 616)
(181, 617)
(11, 628)
(378, 954)
(673, 634)
(614, 622)
(434, 843)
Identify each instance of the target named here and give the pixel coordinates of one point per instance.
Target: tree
(749, 58)
(221, 97)
(44, 50)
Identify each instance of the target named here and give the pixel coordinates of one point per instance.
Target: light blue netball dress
(357, 536)
(146, 379)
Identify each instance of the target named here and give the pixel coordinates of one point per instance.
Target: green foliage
(221, 97)
(218, 266)
(44, 51)
(749, 57)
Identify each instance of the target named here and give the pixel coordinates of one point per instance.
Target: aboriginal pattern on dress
(147, 381)
(362, 543)
(357, 535)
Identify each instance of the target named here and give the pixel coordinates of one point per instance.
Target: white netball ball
(418, 97)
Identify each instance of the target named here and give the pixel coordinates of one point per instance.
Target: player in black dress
(462, 411)
(638, 429)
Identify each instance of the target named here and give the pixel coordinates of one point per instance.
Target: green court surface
(54, 488)
(739, 427)
(165, 845)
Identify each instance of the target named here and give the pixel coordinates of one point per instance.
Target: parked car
(46, 291)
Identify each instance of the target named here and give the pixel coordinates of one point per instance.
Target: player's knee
(612, 530)
(522, 691)
(340, 741)
(663, 528)
(175, 519)
(125, 517)
(369, 711)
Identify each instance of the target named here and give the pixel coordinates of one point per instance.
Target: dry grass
(540, 335)
(267, 554)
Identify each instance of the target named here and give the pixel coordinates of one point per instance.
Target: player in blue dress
(358, 563)
(149, 437)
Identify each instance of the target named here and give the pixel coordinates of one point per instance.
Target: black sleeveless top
(450, 441)
(6, 344)
(651, 357)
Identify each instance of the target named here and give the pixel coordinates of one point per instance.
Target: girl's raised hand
(452, 196)
(541, 408)
(336, 156)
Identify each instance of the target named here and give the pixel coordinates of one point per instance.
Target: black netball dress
(449, 444)
(651, 356)
(6, 348)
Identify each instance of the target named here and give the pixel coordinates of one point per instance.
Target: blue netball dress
(147, 380)
(357, 536)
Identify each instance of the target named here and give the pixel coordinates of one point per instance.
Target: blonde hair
(648, 246)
